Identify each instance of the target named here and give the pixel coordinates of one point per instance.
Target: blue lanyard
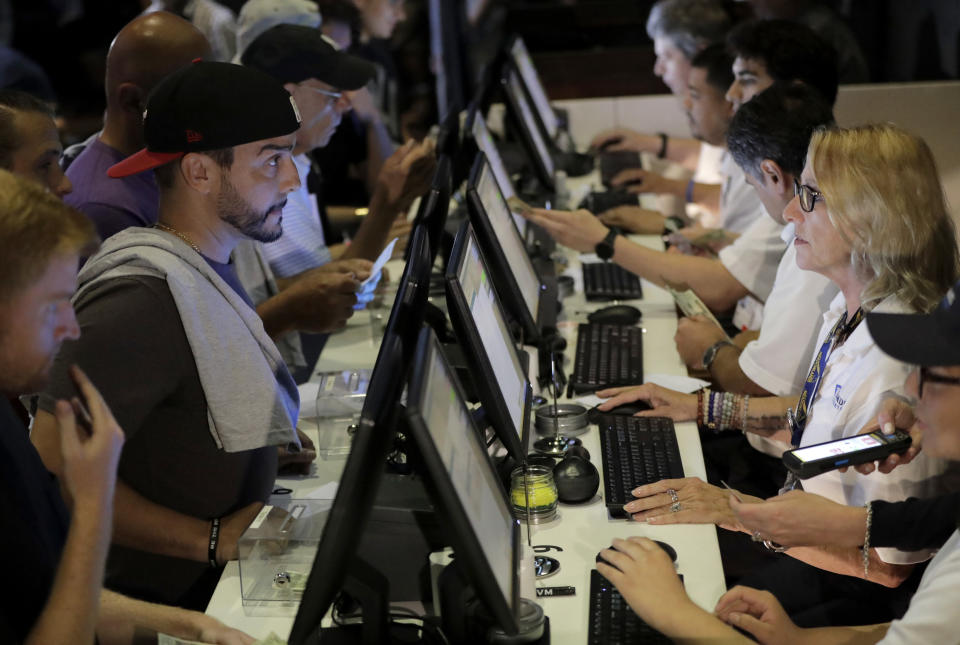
(840, 332)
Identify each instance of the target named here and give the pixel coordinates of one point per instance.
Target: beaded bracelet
(744, 403)
(866, 541)
(700, 398)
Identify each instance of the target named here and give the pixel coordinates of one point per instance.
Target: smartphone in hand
(81, 409)
(851, 451)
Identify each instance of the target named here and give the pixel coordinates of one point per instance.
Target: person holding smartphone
(644, 574)
(869, 214)
(58, 547)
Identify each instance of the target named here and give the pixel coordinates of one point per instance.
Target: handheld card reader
(810, 461)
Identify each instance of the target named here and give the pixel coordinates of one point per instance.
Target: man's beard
(237, 212)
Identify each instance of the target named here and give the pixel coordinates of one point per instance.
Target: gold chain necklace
(170, 229)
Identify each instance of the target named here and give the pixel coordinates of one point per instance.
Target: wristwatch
(604, 248)
(711, 354)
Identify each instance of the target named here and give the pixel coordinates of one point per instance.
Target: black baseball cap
(294, 53)
(921, 339)
(208, 106)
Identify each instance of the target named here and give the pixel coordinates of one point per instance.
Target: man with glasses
(322, 80)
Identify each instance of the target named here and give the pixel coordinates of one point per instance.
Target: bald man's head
(146, 50)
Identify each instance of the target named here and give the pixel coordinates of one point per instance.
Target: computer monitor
(521, 114)
(481, 328)
(372, 442)
(480, 135)
(465, 486)
(531, 81)
(514, 275)
(434, 205)
(449, 55)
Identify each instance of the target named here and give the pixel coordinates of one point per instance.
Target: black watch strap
(604, 248)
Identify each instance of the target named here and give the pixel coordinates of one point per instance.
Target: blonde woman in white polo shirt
(870, 215)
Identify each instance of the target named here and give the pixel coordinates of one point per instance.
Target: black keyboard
(609, 281)
(636, 451)
(607, 355)
(611, 163)
(613, 622)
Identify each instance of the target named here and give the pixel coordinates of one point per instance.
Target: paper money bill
(689, 302)
(165, 639)
(519, 206)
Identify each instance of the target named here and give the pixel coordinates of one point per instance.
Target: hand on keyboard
(665, 403)
(637, 180)
(684, 501)
(579, 229)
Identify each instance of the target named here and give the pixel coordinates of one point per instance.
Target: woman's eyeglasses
(808, 196)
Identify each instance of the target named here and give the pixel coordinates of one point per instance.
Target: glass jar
(533, 494)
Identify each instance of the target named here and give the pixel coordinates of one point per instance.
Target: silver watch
(711, 354)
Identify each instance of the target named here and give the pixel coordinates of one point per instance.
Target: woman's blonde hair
(883, 195)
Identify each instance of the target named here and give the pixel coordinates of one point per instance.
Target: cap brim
(351, 72)
(141, 161)
(918, 339)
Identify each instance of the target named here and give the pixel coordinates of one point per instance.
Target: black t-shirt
(35, 522)
(915, 524)
(134, 348)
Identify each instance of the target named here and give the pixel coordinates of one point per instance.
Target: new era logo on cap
(210, 106)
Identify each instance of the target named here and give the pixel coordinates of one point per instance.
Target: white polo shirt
(779, 360)
(931, 618)
(753, 259)
(856, 378)
(740, 206)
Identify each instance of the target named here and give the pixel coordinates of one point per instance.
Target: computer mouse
(606, 145)
(615, 315)
(669, 549)
(627, 409)
(663, 545)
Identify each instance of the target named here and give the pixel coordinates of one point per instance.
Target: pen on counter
(735, 494)
(547, 592)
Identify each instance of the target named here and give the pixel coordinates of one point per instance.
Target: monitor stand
(465, 620)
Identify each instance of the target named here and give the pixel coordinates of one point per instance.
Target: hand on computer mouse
(665, 403)
(624, 139)
(644, 574)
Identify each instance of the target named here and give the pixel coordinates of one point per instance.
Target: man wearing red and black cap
(172, 339)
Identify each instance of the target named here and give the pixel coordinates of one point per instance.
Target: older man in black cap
(173, 341)
(322, 79)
